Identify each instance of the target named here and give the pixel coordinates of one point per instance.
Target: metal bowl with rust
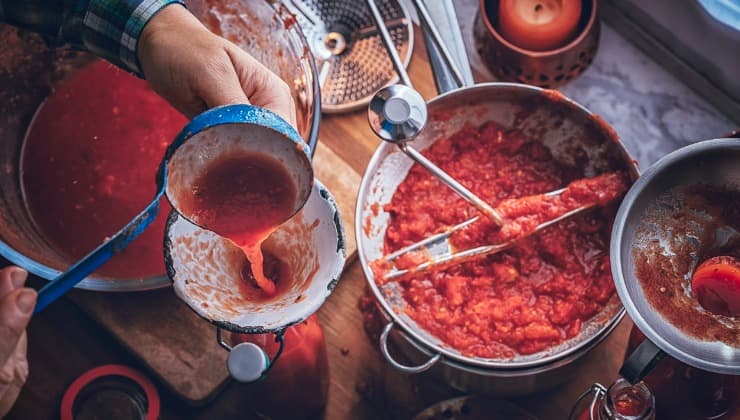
(546, 69)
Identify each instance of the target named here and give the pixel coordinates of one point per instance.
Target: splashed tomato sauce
(89, 164)
(522, 301)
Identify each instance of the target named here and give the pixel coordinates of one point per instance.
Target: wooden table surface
(64, 342)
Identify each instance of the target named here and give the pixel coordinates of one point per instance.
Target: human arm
(161, 41)
(213, 72)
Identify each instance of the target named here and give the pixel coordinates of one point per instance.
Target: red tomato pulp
(716, 284)
(89, 164)
(528, 298)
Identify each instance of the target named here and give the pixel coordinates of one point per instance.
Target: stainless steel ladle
(398, 113)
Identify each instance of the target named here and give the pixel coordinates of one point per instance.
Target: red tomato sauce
(523, 215)
(89, 164)
(716, 285)
(244, 197)
(664, 260)
(530, 297)
(628, 403)
(275, 270)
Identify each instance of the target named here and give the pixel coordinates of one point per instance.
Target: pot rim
(449, 356)
(518, 372)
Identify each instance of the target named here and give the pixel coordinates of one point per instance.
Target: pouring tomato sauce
(244, 197)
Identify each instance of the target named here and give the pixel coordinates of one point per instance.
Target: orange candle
(539, 25)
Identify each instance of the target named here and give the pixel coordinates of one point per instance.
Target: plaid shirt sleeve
(107, 28)
(111, 28)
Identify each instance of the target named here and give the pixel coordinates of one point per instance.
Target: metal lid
(713, 162)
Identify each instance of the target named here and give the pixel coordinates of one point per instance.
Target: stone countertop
(653, 112)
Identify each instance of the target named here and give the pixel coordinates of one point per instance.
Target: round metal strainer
(350, 56)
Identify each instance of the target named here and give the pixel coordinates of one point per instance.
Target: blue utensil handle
(92, 261)
(227, 114)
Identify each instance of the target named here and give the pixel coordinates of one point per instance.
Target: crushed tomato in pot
(531, 297)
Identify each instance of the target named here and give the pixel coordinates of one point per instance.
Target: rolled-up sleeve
(107, 28)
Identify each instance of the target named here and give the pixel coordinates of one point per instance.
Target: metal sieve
(344, 40)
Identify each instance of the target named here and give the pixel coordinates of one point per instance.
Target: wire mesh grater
(352, 62)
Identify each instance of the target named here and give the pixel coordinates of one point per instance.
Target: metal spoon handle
(92, 261)
(431, 29)
(455, 258)
(460, 189)
(388, 42)
(399, 136)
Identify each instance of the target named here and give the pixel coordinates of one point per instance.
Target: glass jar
(682, 391)
(621, 401)
(297, 385)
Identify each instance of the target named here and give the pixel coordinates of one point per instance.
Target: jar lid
(111, 392)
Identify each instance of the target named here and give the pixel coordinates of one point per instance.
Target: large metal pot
(498, 382)
(575, 136)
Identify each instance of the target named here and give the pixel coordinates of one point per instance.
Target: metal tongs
(440, 253)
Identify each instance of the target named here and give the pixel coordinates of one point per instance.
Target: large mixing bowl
(576, 138)
(29, 70)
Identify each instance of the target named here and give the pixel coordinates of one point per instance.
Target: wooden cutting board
(179, 347)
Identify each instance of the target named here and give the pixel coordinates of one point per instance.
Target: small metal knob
(247, 362)
(397, 113)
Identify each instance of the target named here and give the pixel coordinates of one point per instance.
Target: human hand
(16, 307)
(195, 69)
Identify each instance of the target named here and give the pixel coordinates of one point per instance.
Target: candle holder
(546, 69)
